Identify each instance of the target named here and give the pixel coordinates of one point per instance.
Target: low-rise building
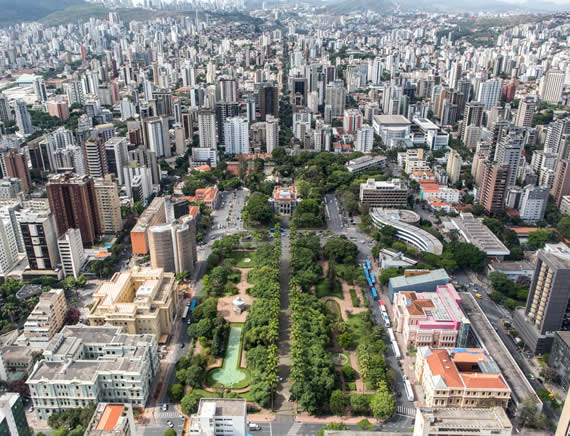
(112, 420)
(143, 300)
(85, 364)
(219, 416)
(284, 199)
(403, 221)
(384, 194)
(460, 377)
(46, 319)
(391, 128)
(394, 259)
(432, 319)
(417, 281)
(560, 356)
(364, 163)
(475, 422)
(13, 420)
(513, 269)
(473, 230)
(565, 205)
(434, 192)
(210, 196)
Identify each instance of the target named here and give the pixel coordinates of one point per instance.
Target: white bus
(409, 391)
(396, 350)
(391, 335)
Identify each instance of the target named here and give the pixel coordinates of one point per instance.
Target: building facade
(46, 319)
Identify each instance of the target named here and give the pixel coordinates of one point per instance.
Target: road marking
(294, 430)
(406, 411)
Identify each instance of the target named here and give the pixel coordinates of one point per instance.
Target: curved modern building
(173, 246)
(402, 220)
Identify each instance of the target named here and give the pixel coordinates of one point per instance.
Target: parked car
(164, 407)
(170, 424)
(253, 426)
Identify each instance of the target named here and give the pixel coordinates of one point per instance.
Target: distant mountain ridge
(18, 11)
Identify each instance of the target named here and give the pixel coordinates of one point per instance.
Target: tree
(189, 403)
(359, 404)
(539, 238)
(257, 208)
(170, 432)
(72, 316)
(382, 403)
(194, 376)
(338, 402)
(176, 392)
(564, 226)
(387, 274)
(340, 250)
(332, 426)
(468, 255)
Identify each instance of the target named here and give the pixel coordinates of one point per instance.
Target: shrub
(348, 372)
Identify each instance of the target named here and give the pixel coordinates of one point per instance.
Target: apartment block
(108, 205)
(39, 238)
(13, 420)
(143, 300)
(86, 364)
(561, 186)
(46, 319)
(71, 253)
(154, 214)
(460, 377)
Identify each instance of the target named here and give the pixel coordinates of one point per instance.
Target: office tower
(75, 93)
(236, 135)
(335, 96)
(489, 93)
(108, 205)
(352, 120)
(298, 87)
(508, 153)
(224, 111)
(454, 163)
(473, 117)
(14, 164)
(74, 205)
(207, 128)
(364, 139)
(271, 133)
(5, 111)
(226, 90)
(555, 136)
(40, 89)
(268, 102)
(40, 240)
(116, 152)
(551, 85)
(533, 203)
(8, 245)
(172, 246)
(561, 186)
(95, 157)
(525, 112)
(546, 308)
(188, 76)
(493, 186)
(23, 118)
(71, 253)
(13, 420)
(157, 139)
(251, 109)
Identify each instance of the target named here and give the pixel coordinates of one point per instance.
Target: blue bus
(369, 282)
(193, 305)
(368, 264)
(372, 277)
(374, 293)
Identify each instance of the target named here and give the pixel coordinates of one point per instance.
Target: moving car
(164, 407)
(253, 426)
(478, 295)
(170, 424)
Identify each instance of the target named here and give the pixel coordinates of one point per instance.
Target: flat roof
(400, 281)
(475, 232)
(222, 407)
(461, 418)
(394, 120)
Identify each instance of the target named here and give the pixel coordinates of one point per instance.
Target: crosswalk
(406, 411)
(168, 414)
(294, 430)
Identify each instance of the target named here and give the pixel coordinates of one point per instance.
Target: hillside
(349, 6)
(31, 10)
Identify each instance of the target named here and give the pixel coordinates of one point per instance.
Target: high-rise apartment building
(508, 153)
(71, 253)
(271, 133)
(95, 157)
(5, 110)
(226, 90)
(493, 186)
(557, 132)
(108, 205)
(116, 152)
(352, 120)
(40, 89)
(156, 129)
(364, 139)
(489, 93)
(40, 240)
(13, 420)
(551, 85)
(236, 135)
(8, 245)
(473, 117)
(46, 319)
(74, 204)
(525, 113)
(207, 129)
(547, 309)
(14, 164)
(224, 110)
(154, 214)
(533, 203)
(59, 109)
(561, 186)
(75, 93)
(335, 96)
(454, 163)
(172, 246)
(268, 102)
(23, 118)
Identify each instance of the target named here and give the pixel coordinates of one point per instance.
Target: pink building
(431, 319)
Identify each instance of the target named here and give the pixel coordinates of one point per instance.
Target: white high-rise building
(551, 86)
(271, 133)
(40, 89)
(555, 134)
(23, 118)
(75, 93)
(525, 113)
(207, 129)
(377, 70)
(127, 109)
(335, 96)
(236, 134)
(71, 252)
(509, 153)
(138, 182)
(490, 93)
(157, 133)
(364, 139)
(5, 111)
(8, 245)
(533, 203)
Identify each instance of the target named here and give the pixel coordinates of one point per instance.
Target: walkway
(225, 304)
(282, 404)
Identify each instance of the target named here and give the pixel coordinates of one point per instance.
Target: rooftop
(221, 407)
(392, 120)
(477, 419)
(435, 275)
(475, 232)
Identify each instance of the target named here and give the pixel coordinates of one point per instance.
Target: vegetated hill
(18, 11)
(349, 6)
(481, 5)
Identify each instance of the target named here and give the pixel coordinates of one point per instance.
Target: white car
(164, 407)
(170, 424)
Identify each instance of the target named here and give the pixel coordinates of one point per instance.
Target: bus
(409, 391)
(372, 277)
(369, 282)
(396, 350)
(373, 292)
(193, 305)
(387, 321)
(391, 335)
(368, 264)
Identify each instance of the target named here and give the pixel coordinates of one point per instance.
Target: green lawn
(324, 291)
(357, 328)
(333, 309)
(242, 259)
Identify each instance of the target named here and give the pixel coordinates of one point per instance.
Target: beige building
(112, 420)
(384, 194)
(108, 205)
(173, 246)
(563, 427)
(454, 163)
(154, 214)
(284, 199)
(143, 300)
(46, 319)
(459, 422)
(84, 364)
(415, 160)
(460, 378)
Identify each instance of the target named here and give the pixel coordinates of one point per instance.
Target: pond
(230, 374)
